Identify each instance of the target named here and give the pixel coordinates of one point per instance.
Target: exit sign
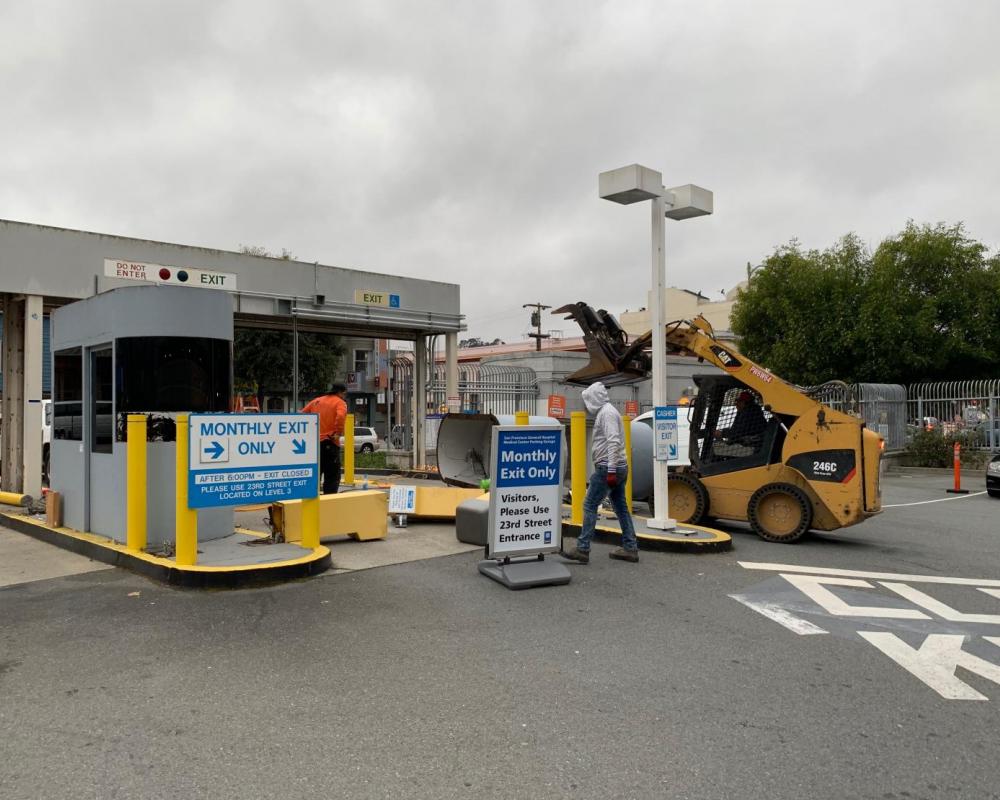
(369, 297)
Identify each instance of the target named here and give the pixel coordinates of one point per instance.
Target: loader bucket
(602, 368)
(611, 361)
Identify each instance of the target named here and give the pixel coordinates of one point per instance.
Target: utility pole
(536, 320)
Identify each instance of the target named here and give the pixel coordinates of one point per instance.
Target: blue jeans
(596, 492)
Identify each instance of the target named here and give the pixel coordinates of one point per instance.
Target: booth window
(101, 421)
(173, 373)
(67, 395)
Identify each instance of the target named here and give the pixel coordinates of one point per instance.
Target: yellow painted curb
(685, 538)
(108, 551)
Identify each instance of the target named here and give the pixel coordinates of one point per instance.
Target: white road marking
(943, 610)
(877, 576)
(780, 615)
(940, 500)
(935, 661)
(812, 587)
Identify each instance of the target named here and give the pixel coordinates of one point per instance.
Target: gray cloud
(462, 141)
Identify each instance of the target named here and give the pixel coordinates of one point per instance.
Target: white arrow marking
(935, 661)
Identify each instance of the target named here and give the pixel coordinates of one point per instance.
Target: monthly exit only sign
(238, 459)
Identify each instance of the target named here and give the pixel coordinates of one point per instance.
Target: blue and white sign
(526, 466)
(239, 459)
(402, 499)
(665, 433)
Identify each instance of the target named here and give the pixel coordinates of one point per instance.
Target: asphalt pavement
(427, 680)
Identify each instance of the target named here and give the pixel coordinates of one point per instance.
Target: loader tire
(688, 498)
(780, 512)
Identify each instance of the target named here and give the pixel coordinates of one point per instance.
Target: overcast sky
(461, 141)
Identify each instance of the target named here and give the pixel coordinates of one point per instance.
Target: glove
(612, 479)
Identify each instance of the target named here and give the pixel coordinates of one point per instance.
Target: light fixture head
(688, 201)
(631, 184)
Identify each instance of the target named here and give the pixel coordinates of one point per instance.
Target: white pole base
(666, 524)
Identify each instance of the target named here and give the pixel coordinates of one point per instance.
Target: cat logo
(729, 361)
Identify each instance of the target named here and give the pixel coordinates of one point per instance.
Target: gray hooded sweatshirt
(609, 433)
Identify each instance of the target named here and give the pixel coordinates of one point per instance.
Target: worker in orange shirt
(332, 410)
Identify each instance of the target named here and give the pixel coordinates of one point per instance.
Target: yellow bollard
(349, 449)
(185, 519)
(578, 464)
(15, 499)
(521, 418)
(310, 523)
(627, 422)
(135, 483)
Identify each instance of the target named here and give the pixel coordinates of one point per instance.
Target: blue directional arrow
(215, 450)
(299, 446)
(673, 451)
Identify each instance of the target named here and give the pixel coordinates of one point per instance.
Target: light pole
(633, 184)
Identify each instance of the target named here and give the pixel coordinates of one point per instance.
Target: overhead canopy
(62, 265)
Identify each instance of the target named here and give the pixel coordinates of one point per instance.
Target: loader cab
(731, 429)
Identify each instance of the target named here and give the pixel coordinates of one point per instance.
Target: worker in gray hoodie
(607, 451)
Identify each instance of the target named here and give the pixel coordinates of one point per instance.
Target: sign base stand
(525, 573)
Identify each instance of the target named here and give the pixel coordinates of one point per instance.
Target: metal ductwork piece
(463, 446)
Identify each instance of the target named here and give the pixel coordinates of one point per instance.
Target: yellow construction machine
(761, 450)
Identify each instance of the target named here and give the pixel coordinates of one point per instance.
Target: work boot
(581, 556)
(625, 555)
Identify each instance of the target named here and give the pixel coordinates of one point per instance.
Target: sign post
(525, 516)
(239, 459)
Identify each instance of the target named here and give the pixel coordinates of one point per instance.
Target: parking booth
(149, 350)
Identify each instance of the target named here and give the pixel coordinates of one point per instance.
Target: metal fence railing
(488, 388)
(883, 408)
(482, 389)
(969, 410)
(881, 405)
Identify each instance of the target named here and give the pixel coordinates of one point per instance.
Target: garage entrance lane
(427, 680)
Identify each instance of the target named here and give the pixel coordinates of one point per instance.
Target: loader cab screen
(730, 430)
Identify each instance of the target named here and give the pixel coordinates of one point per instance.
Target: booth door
(104, 480)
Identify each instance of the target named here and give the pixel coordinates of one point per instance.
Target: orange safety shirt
(332, 411)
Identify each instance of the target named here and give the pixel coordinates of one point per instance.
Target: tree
(263, 361)
(263, 358)
(794, 316)
(932, 309)
(924, 306)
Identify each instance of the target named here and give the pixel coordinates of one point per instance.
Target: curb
(896, 469)
(166, 571)
(714, 541)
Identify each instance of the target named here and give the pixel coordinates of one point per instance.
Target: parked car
(993, 477)
(365, 440)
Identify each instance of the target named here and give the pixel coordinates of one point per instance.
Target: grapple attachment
(613, 360)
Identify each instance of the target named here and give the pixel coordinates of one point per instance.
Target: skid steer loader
(761, 450)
